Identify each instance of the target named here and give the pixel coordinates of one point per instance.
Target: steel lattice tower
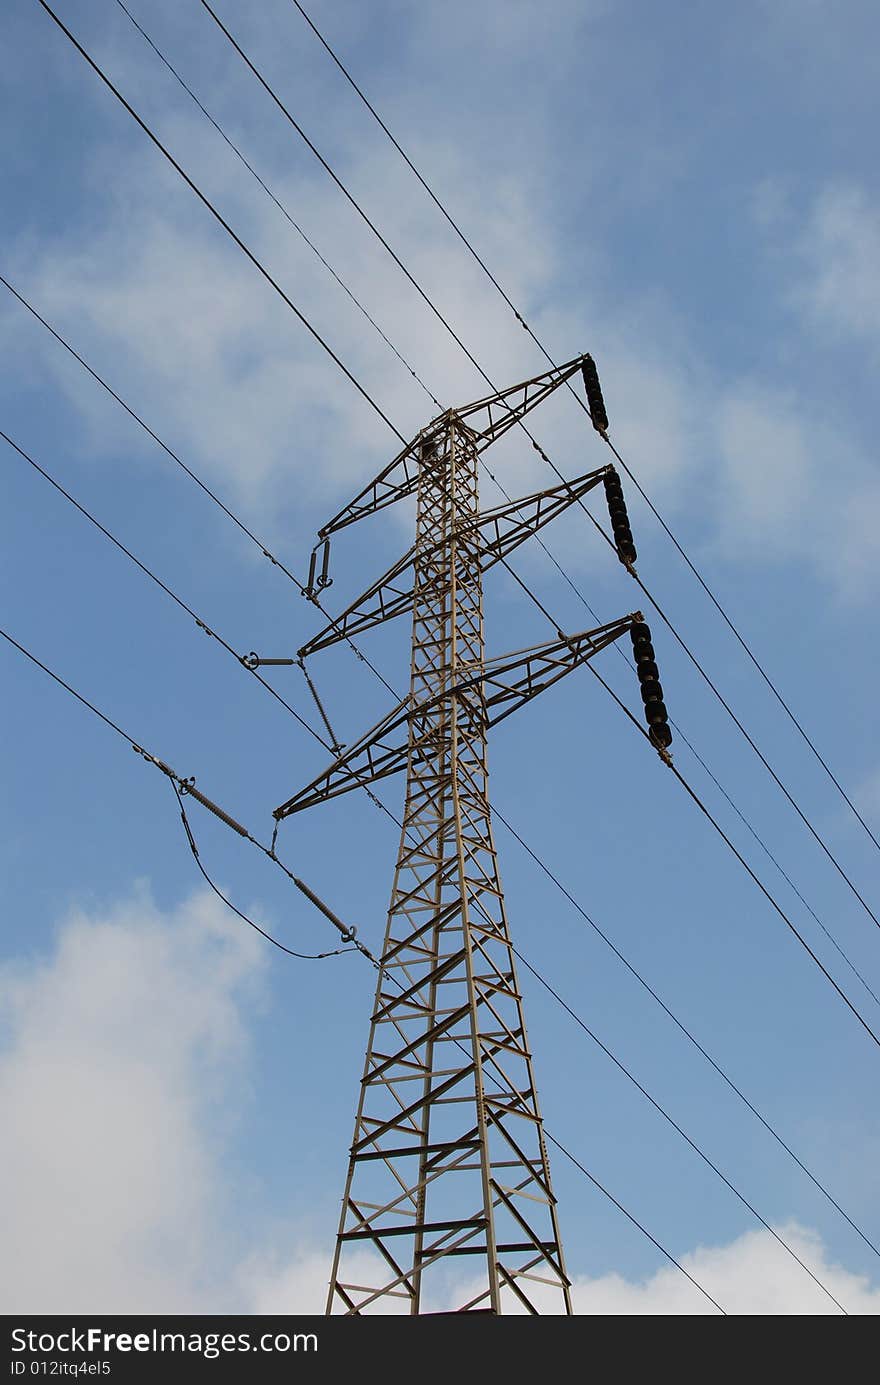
(448, 1178)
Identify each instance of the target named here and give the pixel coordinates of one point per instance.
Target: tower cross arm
(493, 534)
(486, 419)
(489, 418)
(489, 694)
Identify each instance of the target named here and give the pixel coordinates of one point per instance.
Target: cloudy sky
(688, 192)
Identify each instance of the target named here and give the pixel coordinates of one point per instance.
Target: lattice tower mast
(448, 1179)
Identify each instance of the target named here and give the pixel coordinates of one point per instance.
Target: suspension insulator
(656, 713)
(325, 580)
(652, 691)
(313, 563)
(623, 539)
(650, 686)
(594, 395)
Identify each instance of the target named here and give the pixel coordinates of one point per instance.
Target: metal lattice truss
(488, 419)
(496, 533)
(448, 1201)
(489, 694)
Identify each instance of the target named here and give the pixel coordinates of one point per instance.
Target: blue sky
(687, 192)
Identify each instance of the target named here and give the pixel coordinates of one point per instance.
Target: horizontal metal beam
(495, 533)
(487, 419)
(509, 682)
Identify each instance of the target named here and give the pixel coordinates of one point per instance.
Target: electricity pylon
(448, 1167)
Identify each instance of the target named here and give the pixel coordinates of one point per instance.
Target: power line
(277, 562)
(176, 782)
(548, 357)
(765, 848)
(663, 1112)
(190, 612)
(764, 761)
(743, 862)
(740, 814)
(361, 389)
(506, 823)
(212, 495)
(187, 786)
(163, 586)
(683, 1029)
(703, 809)
(407, 365)
(579, 500)
(189, 181)
(179, 783)
(303, 956)
(742, 641)
(316, 735)
(728, 709)
(344, 190)
(280, 205)
(611, 1198)
(745, 821)
(313, 331)
(193, 476)
(666, 1116)
(352, 200)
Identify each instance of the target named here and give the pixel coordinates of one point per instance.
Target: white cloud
(790, 486)
(840, 252)
(153, 292)
(752, 1276)
(119, 1051)
(123, 1061)
(204, 348)
(272, 1285)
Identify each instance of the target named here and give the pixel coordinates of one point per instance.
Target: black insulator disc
(613, 486)
(627, 552)
(639, 631)
(622, 532)
(618, 511)
(655, 713)
(643, 649)
(651, 691)
(661, 734)
(647, 669)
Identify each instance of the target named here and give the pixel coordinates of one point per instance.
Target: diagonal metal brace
(500, 685)
(488, 537)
